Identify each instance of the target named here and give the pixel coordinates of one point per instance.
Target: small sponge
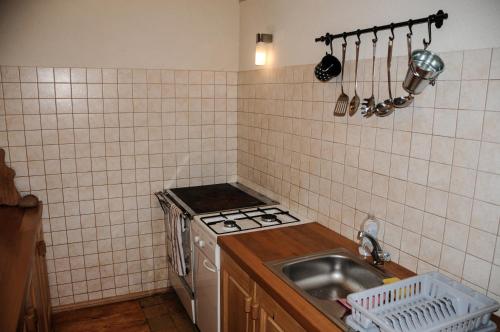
(390, 280)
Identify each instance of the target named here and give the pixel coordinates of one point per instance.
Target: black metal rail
(436, 19)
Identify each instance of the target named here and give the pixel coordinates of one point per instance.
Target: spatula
(343, 100)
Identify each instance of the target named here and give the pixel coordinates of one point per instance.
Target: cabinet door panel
(267, 323)
(272, 316)
(236, 298)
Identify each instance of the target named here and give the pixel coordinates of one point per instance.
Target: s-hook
(357, 35)
(344, 35)
(392, 32)
(410, 27)
(375, 29)
(429, 28)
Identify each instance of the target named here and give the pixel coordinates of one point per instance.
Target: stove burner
(248, 219)
(269, 218)
(230, 224)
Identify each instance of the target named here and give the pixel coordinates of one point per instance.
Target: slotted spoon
(343, 100)
(354, 105)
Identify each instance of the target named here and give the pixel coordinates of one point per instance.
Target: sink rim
(327, 307)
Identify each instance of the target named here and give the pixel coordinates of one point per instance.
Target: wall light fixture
(261, 49)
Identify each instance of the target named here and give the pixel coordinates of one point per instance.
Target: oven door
(206, 286)
(183, 286)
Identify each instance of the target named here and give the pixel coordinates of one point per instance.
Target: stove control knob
(201, 243)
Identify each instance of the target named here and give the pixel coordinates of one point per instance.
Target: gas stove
(206, 229)
(247, 219)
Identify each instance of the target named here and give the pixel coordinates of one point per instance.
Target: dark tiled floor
(158, 313)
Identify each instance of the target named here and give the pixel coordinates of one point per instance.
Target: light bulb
(260, 54)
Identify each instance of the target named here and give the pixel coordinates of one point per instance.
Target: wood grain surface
(18, 231)
(252, 250)
(8, 192)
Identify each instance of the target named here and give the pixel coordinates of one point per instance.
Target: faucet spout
(378, 254)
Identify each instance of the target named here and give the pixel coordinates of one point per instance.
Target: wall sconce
(261, 48)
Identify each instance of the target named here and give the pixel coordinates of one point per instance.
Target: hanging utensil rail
(436, 19)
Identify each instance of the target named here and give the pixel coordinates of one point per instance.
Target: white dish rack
(428, 302)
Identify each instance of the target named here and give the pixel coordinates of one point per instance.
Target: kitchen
(150, 131)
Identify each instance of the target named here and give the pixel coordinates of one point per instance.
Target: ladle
(369, 104)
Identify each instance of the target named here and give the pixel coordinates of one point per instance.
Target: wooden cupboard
(24, 284)
(246, 307)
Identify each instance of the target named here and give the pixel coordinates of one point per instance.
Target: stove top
(217, 197)
(248, 219)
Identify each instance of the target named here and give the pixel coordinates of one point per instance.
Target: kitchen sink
(323, 278)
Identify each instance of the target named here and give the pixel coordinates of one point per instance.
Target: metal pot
(424, 68)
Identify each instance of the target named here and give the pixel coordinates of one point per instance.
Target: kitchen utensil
(387, 106)
(329, 67)
(405, 101)
(369, 104)
(354, 105)
(424, 69)
(343, 100)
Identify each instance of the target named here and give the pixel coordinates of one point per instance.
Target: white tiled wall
(430, 172)
(94, 144)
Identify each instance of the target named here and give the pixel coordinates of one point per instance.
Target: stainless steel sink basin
(325, 277)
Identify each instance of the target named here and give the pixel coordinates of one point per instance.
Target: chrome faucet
(379, 256)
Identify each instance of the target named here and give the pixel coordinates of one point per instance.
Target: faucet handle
(386, 256)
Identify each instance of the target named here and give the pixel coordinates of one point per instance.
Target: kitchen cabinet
(37, 305)
(246, 307)
(23, 271)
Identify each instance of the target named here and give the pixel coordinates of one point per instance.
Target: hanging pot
(329, 67)
(424, 69)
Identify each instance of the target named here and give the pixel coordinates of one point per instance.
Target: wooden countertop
(252, 250)
(18, 230)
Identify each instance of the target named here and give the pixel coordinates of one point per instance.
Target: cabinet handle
(208, 267)
(255, 311)
(41, 248)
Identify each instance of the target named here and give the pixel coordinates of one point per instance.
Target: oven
(199, 289)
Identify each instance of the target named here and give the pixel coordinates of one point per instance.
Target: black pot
(328, 68)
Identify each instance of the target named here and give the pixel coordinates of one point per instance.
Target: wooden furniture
(24, 291)
(247, 283)
(8, 191)
(246, 307)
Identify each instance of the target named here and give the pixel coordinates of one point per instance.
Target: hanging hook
(429, 28)
(357, 35)
(410, 27)
(392, 32)
(375, 29)
(344, 35)
(331, 45)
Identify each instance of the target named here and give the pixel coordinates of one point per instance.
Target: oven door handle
(208, 267)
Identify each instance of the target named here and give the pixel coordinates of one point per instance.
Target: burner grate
(259, 217)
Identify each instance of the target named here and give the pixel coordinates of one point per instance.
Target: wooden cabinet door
(267, 323)
(272, 317)
(236, 298)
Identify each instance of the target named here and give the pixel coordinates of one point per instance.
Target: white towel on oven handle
(177, 226)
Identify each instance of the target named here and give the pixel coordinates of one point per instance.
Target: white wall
(176, 34)
(295, 24)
